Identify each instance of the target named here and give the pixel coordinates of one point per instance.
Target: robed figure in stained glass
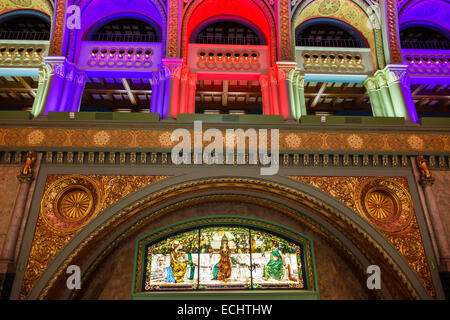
(222, 269)
(178, 262)
(274, 268)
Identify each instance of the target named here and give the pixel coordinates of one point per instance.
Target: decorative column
(273, 82)
(79, 83)
(61, 87)
(172, 73)
(385, 95)
(265, 90)
(192, 86)
(157, 98)
(400, 91)
(184, 93)
(426, 181)
(45, 75)
(373, 91)
(298, 95)
(8, 254)
(390, 31)
(286, 71)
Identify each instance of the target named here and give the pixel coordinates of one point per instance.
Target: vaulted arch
(346, 231)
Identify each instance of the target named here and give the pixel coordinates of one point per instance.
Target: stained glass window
(224, 257)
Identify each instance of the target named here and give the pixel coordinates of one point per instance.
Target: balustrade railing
(228, 58)
(336, 43)
(19, 35)
(430, 45)
(30, 53)
(233, 40)
(329, 60)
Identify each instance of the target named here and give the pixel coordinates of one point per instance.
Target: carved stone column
(265, 91)
(426, 181)
(399, 88)
(8, 254)
(191, 96)
(172, 73)
(286, 71)
(157, 98)
(373, 91)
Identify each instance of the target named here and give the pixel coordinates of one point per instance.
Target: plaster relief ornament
(22, 3)
(328, 7)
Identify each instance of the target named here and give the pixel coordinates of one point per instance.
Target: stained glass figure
(223, 257)
(171, 263)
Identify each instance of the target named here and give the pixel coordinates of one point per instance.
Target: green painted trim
(229, 295)
(352, 120)
(429, 121)
(22, 115)
(244, 118)
(105, 116)
(247, 294)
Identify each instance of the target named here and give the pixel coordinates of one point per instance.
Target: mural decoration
(39, 5)
(223, 257)
(386, 203)
(69, 203)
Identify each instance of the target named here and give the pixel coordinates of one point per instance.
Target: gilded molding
(355, 233)
(400, 227)
(52, 232)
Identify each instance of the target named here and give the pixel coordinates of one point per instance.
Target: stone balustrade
(334, 60)
(119, 55)
(228, 58)
(23, 54)
(427, 62)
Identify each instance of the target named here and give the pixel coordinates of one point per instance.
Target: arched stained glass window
(223, 258)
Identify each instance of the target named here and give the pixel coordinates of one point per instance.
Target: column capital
(264, 80)
(172, 67)
(286, 68)
(395, 73)
(371, 83)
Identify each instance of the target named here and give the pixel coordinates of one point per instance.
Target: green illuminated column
(385, 95)
(374, 95)
(399, 89)
(298, 95)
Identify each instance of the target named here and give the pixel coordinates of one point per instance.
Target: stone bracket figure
(26, 174)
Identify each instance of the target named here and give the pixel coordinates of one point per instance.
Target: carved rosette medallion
(328, 7)
(70, 202)
(386, 204)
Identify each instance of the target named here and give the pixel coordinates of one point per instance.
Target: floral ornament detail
(415, 142)
(165, 139)
(101, 138)
(328, 7)
(293, 141)
(35, 137)
(355, 141)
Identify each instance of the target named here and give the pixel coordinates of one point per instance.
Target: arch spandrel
(156, 200)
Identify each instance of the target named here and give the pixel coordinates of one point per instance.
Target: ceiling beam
(319, 94)
(126, 85)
